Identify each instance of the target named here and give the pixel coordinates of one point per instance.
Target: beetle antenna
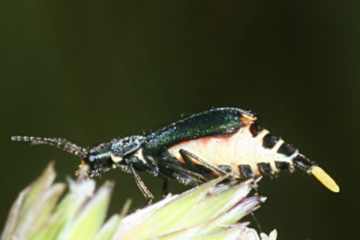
(60, 143)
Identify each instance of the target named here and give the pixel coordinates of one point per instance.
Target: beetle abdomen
(242, 151)
(252, 151)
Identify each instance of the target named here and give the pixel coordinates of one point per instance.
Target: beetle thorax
(138, 154)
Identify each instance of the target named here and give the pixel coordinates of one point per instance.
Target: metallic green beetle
(194, 150)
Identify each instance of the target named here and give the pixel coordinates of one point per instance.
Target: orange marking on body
(204, 142)
(220, 138)
(247, 119)
(229, 149)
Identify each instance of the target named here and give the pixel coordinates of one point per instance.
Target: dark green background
(93, 70)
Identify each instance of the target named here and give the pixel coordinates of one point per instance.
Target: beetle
(193, 150)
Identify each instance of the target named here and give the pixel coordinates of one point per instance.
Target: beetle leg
(256, 221)
(141, 185)
(190, 157)
(165, 187)
(170, 167)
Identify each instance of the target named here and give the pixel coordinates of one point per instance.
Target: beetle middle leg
(256, 222)
(141, 185)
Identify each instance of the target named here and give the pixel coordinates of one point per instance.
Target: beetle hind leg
(170, 167)
(165, 187)
(195, 163)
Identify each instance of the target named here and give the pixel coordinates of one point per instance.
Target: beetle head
(94, 161)
(113, 154)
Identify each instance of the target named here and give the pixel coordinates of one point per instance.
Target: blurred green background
(93, 70)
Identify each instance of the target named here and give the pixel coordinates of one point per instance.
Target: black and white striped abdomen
(265, 153)
(247, 154)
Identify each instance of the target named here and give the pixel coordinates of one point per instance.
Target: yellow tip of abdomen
(324, 178)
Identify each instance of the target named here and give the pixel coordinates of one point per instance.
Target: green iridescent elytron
(213, 122)
(193, 150)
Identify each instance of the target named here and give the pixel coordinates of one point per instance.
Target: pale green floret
(209, 211)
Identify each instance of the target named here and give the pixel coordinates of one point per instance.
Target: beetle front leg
(141, 185)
